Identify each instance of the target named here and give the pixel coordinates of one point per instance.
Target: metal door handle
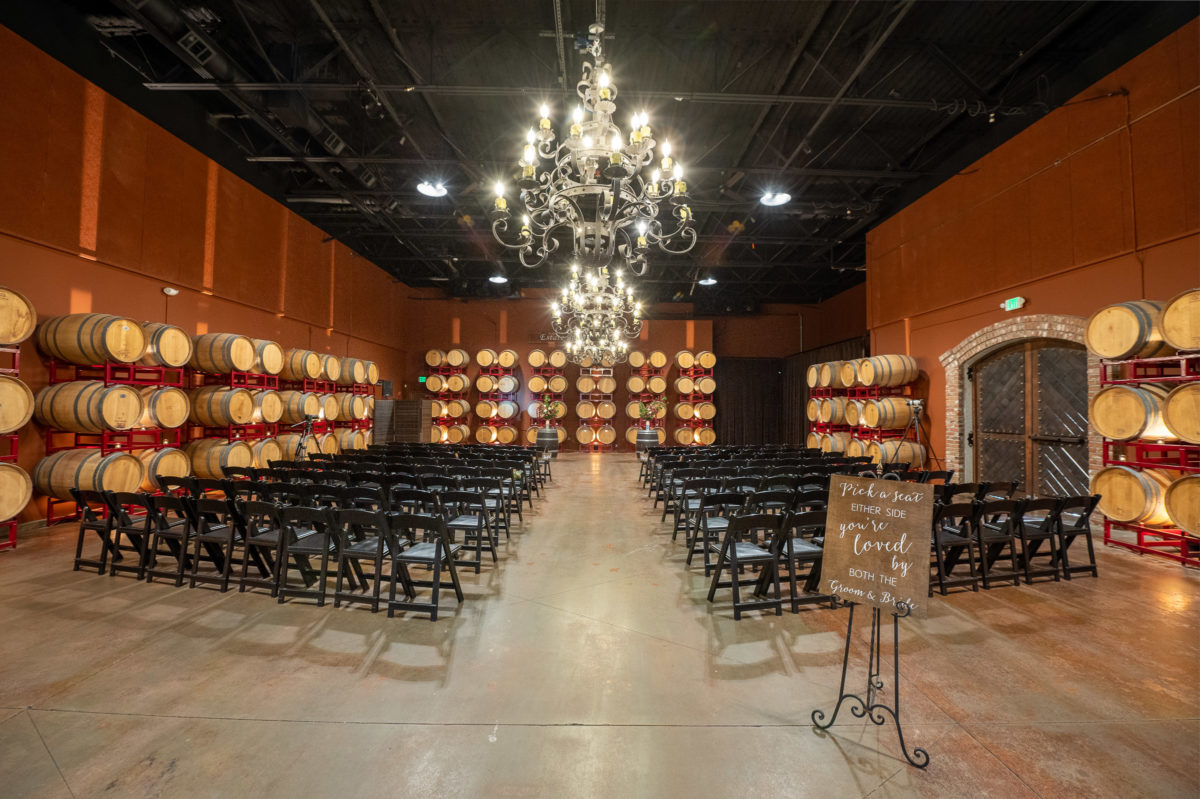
(1058, 439)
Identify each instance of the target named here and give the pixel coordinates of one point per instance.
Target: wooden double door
(1031, 417)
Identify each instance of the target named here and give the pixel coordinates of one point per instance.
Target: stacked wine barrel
(1151, 405)
(18, 318)
(498, 408)
(450, 385)
(647, 383)
(845, 417)
(548, 381)
(694, 407)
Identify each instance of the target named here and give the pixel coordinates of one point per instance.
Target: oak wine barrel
(16, 404)
(268, 357)
(87, 470)
(684, 436)
(18, 318)
(606, 409)
(812, 409)
(157, 463)
(354, 371)
(301, 365)
(812, 375)
(706, 436)
(16, 489)
(1127, 330)
(508, 384)
(1125, 412)
(537, 384)
(848, 374)
(684, 385)
(457, 433)
(435, 357)
(328, 443)
(1181, 412)
(706, 411)
(508, 410)
(636, 384)
(91, 338)
(166, 345)
(436, 408)
(485, 383)
(637, 359)
(829, 374)
(437, 435)
(485, 434)
(458, 358)
(330, 408)
(706, 359)
(297, 405)
(289, 443)
(656, 384)
(684, 410)
(897, 451)
(584, 434)
(557, 359)
(585, 409)
(606, 434)
(658, 359)
(506, 433)
(886, 413)
(456, 409)
(486, 409)
(507, 358)
(331, 367)
(372, 374)
(434, 383)
(854, 412)
(586, 363)
(167, 407)
(268, 406)
(585, 384)
(606, 384)
(222, 353)
(812, 441)
(557, 384)
(264, 451)
(684, 359)
(834, 442)
(1182, 503)
(1180, 321)
(457, 383)
(857, 448)
(887, 370)
(217, 406)
(536, 358)
(485, 357)
(1133, 496)
(88, 406)
(351, 406)
(705, 385)
(833, 410)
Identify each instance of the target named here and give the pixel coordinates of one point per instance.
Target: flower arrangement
(548, 409)
(647, 411)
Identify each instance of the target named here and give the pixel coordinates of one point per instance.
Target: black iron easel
(877, 712)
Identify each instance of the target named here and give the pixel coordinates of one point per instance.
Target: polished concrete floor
(587, 664)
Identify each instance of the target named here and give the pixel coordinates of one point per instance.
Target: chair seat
(745, 551)
(312, 544)
(716, 523)
(367, 546)
(216, 533)
(804, 547)
(465, 522)
(424, 552)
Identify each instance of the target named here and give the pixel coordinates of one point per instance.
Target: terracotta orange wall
(100, 209)
(1097, 203)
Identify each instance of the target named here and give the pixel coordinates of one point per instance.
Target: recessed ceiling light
(773, 198)
(708, 281)
(431, 189)
(498, 279)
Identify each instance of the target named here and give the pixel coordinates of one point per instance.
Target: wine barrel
(854, 412)
(506, 433)
(856, 448)
(166, 345)
(268, 406)
(485, 357)
(684, 359)
(158, 463)
(436, 409)
(435, 357)
(268, 357)
(508, 384)
(829, 374)
(832, 410)
(507, 359)
(537, 384)
(887, 370)
(222, 353)
(812, 409)
(328, 443)
(370, 406)
(485, 383)
(86, 469)
(331, 367)
(167, 407)
(706, 436)
(217, 406)
(88, 406)
(508, 409)
(897, 451)
(301, 365)
(606, 409)
(1182, 503)
(656, 385)
(1180, 320)
(637, 359)
(330, 408)
(585, 384)
(658, 359)
(91, 338)
(586, 363)
(606, 384)
(372, 374)
(1132, 496)
(606, 434)
(886, 413)
(812, 441)
(456, 409)
(684, 436)
(585, 409)
(16, 404)
(456, 383)
(437, 435)
(289, 443)
(834, 442)
(705, 385)
(264, 451)
(848, 374)
(18, 318)
(486, 409)
(1127, 330)
(434, 383)
(457, 433)
(354, 371)
(636, 384)
(607, 361)
(684, 385)
(706, 411)
(351, 406)
(1181, 412)
(557, 384)
(458, 358)
(585, 434)
(557, 359)
(485, 434)
(16, 489)
(684, 410)
(536, 358)
(297, 405)
(368, 438)
(812, 375)
(1124, 412)
(706, 359)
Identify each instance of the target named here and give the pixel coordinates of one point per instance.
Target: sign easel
(876, 554)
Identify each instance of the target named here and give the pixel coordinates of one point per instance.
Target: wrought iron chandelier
(593, 190)
(595, 315)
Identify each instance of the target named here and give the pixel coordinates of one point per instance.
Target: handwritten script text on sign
(877, 542)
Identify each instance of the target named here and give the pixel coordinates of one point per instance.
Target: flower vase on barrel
(547, 435)
(647, 436)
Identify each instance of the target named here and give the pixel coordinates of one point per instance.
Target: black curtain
(794, 387)
(749, 399)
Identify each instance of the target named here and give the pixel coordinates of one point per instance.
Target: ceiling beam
(807, 172)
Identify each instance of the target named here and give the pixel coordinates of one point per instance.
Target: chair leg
(437, 588)
(733, 584)
(337, 583)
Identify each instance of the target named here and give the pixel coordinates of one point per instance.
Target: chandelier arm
(689, 234)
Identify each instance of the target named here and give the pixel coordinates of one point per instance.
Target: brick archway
(982, 342)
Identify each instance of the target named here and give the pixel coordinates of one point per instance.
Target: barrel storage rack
(10, 366)
(694, 389)
(1183, 457)
(448, 382)
(251, 382)
(500, 371)
(838, 396)
(547, 367)
(644, 367)
(595, 377)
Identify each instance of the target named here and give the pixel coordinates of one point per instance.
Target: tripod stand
(305, 435)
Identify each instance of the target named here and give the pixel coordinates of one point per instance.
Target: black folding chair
(803, 544)
(365, 536)
(421, 540)
(738, 550)
(1075, 522)
(953, 536)
(307, 533)
(172, 525)
(131, 519)
(1039, 523)
(997, 529)
(93, 518)
(262, 538)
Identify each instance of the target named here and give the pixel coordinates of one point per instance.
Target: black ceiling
(340, 107)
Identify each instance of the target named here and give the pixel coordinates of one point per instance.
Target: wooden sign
(877, 535)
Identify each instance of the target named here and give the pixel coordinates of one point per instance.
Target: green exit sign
(1013, 303)
(421, 379)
